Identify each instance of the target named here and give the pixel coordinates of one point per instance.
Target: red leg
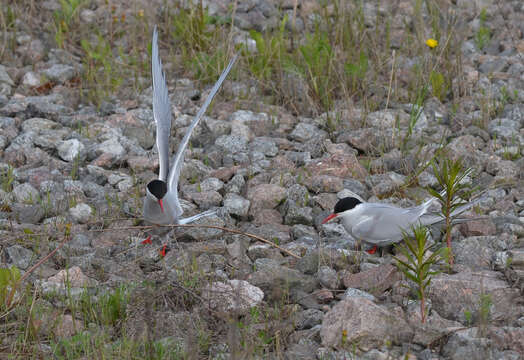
(372, 250)
(163, 250)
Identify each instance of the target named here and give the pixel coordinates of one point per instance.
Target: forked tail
(196, 217)
(433, 218)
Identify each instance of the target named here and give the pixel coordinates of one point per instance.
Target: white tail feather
(196, 217)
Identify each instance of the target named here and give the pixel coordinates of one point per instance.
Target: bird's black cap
(157, 188)
(346, 203)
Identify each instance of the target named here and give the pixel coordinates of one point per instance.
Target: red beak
(161, 205)
(330, 217)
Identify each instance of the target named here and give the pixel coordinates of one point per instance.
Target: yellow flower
(140, 13)
(432, 43)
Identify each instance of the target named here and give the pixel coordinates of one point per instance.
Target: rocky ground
(76, 172)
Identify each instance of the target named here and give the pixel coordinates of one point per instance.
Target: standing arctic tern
(382, 224)
(161, 203)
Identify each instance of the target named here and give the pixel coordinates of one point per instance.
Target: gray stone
(88, 16)
(211, 184)
(265, 196)
(80, 240)
(325, 184)
(73, 187)
(93, 190)
(48, 139)
(517, 257)
(111, 146)
(368, 140)
(4, 76)
(232, 144)
(304, 132)
(375, 280)
(272, 231)
(504, 129)
(304, 349)
(364, 324)
(385, 184)
(69, 150)
(454, 296)
(28, 214)
(59, 73)
(493, 64)
(298, 214)
(26, 193)
(236, 184)
(265, 145)
(352, 292)
(250, 124)
(206, 199)
(71, 282)
(233, 296)
(328, 277)
(236, 204)
(97, 174)
(145, 137)
(477, 252)
(387, 118)
(301, 230)
(433, 329)
(81, 213)
(46, 107)
(278, 282)
(39, 125)
(356, 187)
(308, 318)
(298, 194)
(299, 158)
(427, 179)
(31, 79)
(466, 344)
(507, 337)
(19, 256)
(238, 248)
(217, 127)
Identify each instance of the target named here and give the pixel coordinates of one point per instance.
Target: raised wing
(178, 160)
(161, 109)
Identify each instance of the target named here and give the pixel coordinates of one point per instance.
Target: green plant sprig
(450, 175)
(417, 265)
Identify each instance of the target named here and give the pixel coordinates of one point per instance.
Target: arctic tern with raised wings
(161, 203)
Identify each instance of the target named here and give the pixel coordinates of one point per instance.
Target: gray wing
(381, 226)
(382, 222)
(161, 109)
(178, 160)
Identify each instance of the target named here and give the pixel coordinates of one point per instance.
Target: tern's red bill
(330, 217)
(161, 205)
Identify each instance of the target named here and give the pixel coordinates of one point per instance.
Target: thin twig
(391, 80)
(256, 237)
